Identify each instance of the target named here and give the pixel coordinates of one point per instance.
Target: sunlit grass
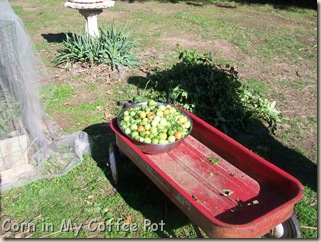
(85, 193)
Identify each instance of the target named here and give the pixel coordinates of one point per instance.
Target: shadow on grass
(258, 139)
(140, 193)
(253, 134)
(56, 38)
(282, 5)
(137, 190)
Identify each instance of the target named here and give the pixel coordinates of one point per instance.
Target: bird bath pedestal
(90, 9)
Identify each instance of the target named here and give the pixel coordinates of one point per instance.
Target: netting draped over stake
(32, 146)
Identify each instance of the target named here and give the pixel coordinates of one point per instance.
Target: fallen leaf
(128, 220)
(214, 160)
(19, 235)
(88, 202)
(107, 115)
(99, 108)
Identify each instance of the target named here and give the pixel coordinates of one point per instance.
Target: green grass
(257, 85)
(86, 197)
(85, 193)
(306, 211)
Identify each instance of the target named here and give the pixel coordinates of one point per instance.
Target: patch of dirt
(20, 4)
(84, 97)
(294, 106)
(62, 121)
(269, 21)
(228, 50)
(295, 102)
(282, 79)
(186, 42)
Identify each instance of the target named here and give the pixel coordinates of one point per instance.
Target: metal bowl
(153, 148)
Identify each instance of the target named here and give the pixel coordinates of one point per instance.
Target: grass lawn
(273, 49)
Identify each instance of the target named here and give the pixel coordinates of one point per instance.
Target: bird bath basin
(90, 9)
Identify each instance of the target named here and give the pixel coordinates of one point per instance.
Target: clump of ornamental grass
(113, 47)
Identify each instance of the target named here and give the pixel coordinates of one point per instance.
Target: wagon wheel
(114, 162)
(288, 229)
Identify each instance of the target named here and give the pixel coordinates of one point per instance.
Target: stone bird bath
(90, 9)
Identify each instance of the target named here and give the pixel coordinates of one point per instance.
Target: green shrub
(213, 92)
(113, 47)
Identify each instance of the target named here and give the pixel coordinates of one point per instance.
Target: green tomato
(170, 132)
(147, 126)
(147, 140)
(161, 107)
(134, 134)
(157, 118)
(171, 139)
(162, 136)
(187, 124)
(159, 113)
(155, 141)
(137, 137)
(142, 134)
(127, 131)
(163, 122)
(126, 118)
(151, 103)
(180, 128)
(126, 113)
(172, 110)
(133, 127)
(153, 130)
(163, 141)
(154, 123)
(160, 127)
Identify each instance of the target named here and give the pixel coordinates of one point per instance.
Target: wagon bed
(238, 195)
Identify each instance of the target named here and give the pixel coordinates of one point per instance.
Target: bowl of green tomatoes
(154, 127)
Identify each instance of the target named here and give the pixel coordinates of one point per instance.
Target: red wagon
(241, 196)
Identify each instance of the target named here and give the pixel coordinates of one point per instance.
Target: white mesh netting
(32, 146)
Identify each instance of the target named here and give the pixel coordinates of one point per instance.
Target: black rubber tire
(288, 229)
(114, 163)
